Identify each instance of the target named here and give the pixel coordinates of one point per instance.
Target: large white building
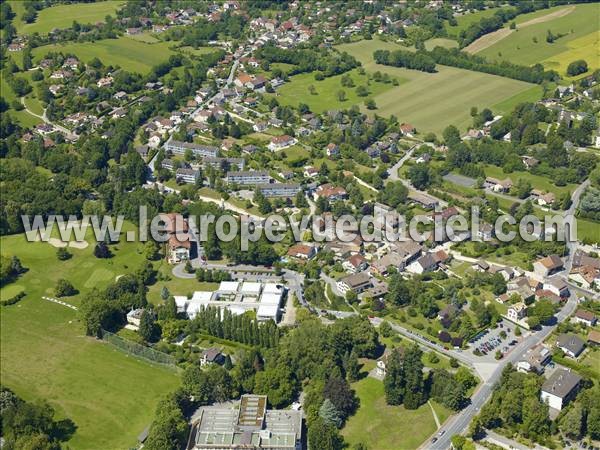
(238, 297)
(560, 388)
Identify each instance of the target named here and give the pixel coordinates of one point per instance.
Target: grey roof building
(250, 425)
(570, 344)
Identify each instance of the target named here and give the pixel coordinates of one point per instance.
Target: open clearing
(453, 91)
(132, 55)
(536, 17)
(110, 396)
(382, 427)
(325, 98)
(62, 16)
(520, 47)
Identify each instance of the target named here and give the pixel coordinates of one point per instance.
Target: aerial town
(303, 225)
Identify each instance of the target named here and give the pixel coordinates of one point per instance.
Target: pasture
(109, 395)
(325, 96)
(453, 91)
(528, 45)
(465, 20)
(130, 54)
(63, 16)
(384, 427)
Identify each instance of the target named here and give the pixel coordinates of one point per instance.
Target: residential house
(517, 312)
(548, 265)
(497, 185)
(302, 251)
(281, 142)
(332, 150)
(407, 129)
(355, 263)
(310, 172)
(133, 318)
(560, 388)
(179, 243)
(587, 318)
(211, 355)
(570, 344)
(535, 360)
(330, 192)
(179, 148)
(425, 200)
(557, 286)
(357, 282)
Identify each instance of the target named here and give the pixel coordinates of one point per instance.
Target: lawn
(111, 397)
(580, 28)
(63, 16)
(453, 91)
(22, 117)
(537, 181)
(588, 230)
(326, 91)
(464, 21)
(380, 426)
(132, 55)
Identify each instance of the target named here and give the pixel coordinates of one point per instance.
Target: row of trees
(404, 58)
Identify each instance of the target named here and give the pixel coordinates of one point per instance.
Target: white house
(560, 388)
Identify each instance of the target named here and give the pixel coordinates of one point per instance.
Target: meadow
(385, 427)
(464, 21)
(453, 91)
(63, 16)
(130, 54)
(109, 395)
(325, 97)
(580, 28)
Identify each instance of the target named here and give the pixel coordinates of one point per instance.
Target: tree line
(404, 58)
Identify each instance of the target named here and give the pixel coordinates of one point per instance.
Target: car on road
(434, 440)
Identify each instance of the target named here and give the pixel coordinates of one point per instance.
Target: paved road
(393, 171)
(68, 133)
(573, 245)
(460, 422)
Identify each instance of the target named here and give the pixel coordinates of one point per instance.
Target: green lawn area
(537, 181)
(326, 95)
(45, 355)
(465, 20)
(22, 117)
(580, 28)
(132, 55)
(62, 16)
(176, 286)
(588, 230)
(453, 91)
(380, 426)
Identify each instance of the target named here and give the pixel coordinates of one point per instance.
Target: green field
(588, 230)
(22, 117)
(62, 16)
(45, 355)
(580, 41)
(297, 91)
(537, 181)
(382, 427)
(452, 91)
(464, 21)
(132, 55)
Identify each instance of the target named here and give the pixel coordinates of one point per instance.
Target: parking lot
(491, 340)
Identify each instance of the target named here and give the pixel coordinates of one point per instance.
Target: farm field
(62, 16)
(132, 55)
(452, 90)
(297, 91)
(110, 396)
(581, 23)
(384, 427)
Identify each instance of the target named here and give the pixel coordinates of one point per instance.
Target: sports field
(110, 396)
(131, 54)
(452, 91)
(383, 427)
(325, 97)
(62, 16)
(580, 27)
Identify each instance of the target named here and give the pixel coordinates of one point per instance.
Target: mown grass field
(62, 16)
(110, 396)
(588, 230)
(465, 20)
(325, 98)
(431, 101)
(130, 54)
(580, 28)
(537, 181)
(383, 427)
(24, 119)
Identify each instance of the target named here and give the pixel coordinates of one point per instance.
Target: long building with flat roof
(246, 425)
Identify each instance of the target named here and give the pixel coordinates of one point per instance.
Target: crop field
(453, 91)
(62, 16)
(110, 396)
(132, 55)
(326, 91)
(580, 28)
